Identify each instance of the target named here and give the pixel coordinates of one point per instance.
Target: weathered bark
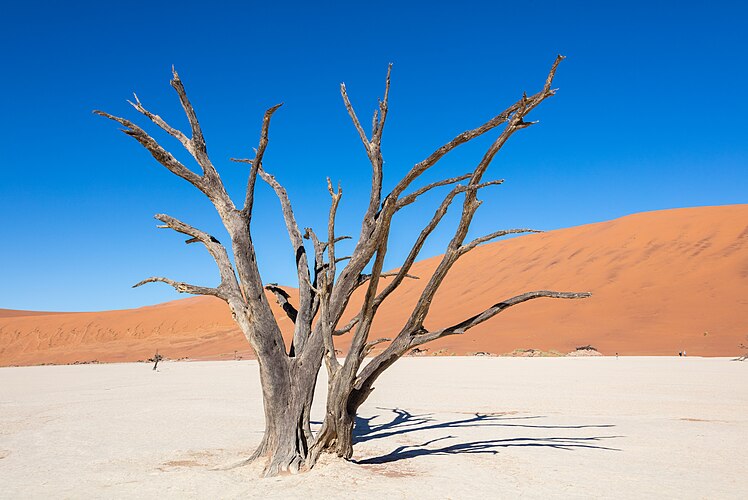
(288, 376)
(287, 398)
(336, 434)
(348, 389)
(287, 381)
(352, 382)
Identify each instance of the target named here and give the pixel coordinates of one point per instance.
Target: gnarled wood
(351, 383)
(288, 377)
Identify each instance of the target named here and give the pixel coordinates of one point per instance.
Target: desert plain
(435, 427)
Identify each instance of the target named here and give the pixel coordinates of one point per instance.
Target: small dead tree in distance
(288, 376)
(745, 348)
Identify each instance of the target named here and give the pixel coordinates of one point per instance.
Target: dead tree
(156, 358)
(288, 374)
(745, 348)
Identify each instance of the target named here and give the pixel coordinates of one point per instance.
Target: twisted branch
(182, 287)
(256, 163)
(467, 324)
(302, 326)
(281, 297)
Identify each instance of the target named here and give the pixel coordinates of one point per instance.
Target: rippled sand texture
(663, 282)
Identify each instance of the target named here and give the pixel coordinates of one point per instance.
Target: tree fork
(288, 376)
(351, 384)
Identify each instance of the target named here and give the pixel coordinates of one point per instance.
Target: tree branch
(327, 332)
(319, 252)
(370, 345)
(198, 148)
(363, 278)
(424, 234)
(282, 296)
(177, 134)
(325, 280)
(292, 228)
(348, 327)
(256, 163)
(182, 287)
(210, 182)
(355, 120)
(331, 260)
(373, 146)
(514, 117)
(376, 227)
(181, 227)
(198, 141)
(470, 206)
(302, 327)
(383, 108)
(492, 311)
(159, 153)
(243, 289)
(214, 247)
(497, 234)
(403, 343)
(336, 240)
(469, 135)
(408, 199)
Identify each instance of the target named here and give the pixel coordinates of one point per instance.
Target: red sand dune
(662, 282)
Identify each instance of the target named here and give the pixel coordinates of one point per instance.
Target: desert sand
(662, 281)
(457, 427)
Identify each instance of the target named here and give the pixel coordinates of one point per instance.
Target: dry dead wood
(325, 285)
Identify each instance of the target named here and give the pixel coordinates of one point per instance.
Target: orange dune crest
(662, 282)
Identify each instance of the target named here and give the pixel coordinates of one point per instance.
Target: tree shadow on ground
(404, 422)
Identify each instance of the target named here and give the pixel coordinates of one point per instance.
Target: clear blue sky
(651, 114)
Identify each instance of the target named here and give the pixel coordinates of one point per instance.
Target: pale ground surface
(549, 427)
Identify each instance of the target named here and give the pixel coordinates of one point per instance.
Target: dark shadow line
(404, 422)
(488, 447)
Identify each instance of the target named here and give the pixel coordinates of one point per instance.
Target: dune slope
(662, 282)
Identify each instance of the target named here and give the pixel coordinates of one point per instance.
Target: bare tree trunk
(336, 434)
(344, 398)
(287, 399)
